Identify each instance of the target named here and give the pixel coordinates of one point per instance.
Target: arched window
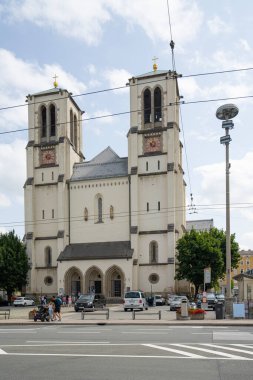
(86, 214)
(158, 104)
(111, 212)
(48, 257)
(71, 127)
(75, 131)
(100, 210)
(147, 106)
(43, 121)
(153, 252)
(52, 120)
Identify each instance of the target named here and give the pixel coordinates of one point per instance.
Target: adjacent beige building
(111, 223)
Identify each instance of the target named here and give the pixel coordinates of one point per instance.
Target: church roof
(96, 251)
(153, 73)
(49, 92)
(106, 164)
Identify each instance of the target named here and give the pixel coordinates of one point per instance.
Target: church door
(116, 288)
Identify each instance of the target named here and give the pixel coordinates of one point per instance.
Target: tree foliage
(198, 250)
(14, 264)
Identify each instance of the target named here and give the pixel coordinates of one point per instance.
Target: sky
(100, 44)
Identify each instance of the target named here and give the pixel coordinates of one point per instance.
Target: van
(135, 299)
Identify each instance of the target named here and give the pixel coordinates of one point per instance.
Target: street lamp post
(225, 113)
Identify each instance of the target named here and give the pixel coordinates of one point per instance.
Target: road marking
(232, 335)
(59, 341)
(2, 352)
(209, 351)
(78, 332)
(174, 350)
(228, 348)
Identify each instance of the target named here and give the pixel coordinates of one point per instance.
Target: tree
(198, 250)
(14, 263)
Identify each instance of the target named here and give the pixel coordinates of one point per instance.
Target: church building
(110, 224)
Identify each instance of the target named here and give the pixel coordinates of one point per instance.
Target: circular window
(48, 280)
(154, 278)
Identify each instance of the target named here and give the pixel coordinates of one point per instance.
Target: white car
(24, 301)
(159, 300)
(135, 300)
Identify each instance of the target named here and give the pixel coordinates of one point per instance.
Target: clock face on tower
(47, 156)
(152, 144)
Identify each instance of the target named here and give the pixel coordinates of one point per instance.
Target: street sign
(225, 139)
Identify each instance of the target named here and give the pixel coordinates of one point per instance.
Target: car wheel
(125, 309)
(24, 304)
(76, 310)
(146, 308)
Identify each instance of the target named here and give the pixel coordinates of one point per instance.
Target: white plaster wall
(143, 246)
(166, 279)
(45, 198)
(115, 192)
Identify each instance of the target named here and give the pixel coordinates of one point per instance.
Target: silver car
(176, 303)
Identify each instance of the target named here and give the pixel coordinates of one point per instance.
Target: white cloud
(18, 78)
(211, 190)
(117, 78)
(12, 169)
(217, 26)
(103, 116)
(74, 19)
(245, 45)
(152, 17)
(85, 20)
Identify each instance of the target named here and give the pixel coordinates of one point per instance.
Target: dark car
(90, 301)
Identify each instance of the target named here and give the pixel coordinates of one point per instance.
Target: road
(125, 352)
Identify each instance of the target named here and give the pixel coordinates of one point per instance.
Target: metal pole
(228, 245)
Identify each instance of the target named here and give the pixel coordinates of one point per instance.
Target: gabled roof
(106, 164)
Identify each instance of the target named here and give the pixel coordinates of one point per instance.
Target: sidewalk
(19, 316)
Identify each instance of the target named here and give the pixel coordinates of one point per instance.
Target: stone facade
(108, 224)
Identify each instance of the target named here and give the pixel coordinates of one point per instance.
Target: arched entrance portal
(94, 281)
(115, 280)
(73, 282)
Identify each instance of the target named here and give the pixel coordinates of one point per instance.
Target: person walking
(57, 309)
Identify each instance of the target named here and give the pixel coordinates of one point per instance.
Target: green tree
(14, 263)
(198, 250)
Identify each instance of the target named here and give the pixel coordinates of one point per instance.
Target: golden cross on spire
(154, 64)
(55, 82)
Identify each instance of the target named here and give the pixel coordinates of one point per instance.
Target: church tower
(157, 197)
(54, 145)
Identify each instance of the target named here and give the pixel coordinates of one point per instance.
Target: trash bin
(220, 311)
(184, 309)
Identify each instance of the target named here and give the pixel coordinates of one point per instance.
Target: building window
(100, 210)
(111, 212)
(52, 214)
(153, 278)
(147, 206)
(52, 120)
(48, 280)
(43, 121)
(42, 177)
(85, 214)
(159, 206)
(157, 104)
(146, 166)
(158, 165)
(147, 106)
(153, 252)
(52, 175)
(75, 131)
(43, 214)
(71, 127)
(48, 257)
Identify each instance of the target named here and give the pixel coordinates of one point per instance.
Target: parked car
(170, 298)
(211, 300)
(135, 300)
(24, 301)
(159, 300)
(90, 301)
(176, 303)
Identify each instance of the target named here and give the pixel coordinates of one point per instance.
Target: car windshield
(19, 298)
(158, 296)
(85, 297)
(132, 295)
(220, 296)
(210, 296)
